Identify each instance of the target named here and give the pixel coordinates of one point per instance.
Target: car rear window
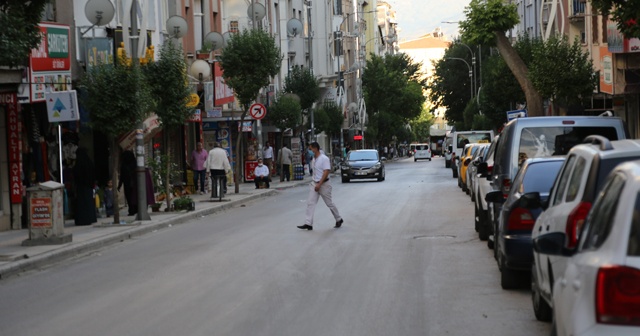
(606, 166)
(471, 138)
(540, 176)
(546, 141)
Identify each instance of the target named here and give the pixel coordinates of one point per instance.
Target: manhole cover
(434, 237)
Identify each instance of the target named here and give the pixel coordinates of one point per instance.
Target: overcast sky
(419, 17)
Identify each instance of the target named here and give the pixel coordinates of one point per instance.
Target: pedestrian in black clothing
(128, 180)
(84, 179)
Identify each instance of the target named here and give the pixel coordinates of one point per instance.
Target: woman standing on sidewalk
(84, 179)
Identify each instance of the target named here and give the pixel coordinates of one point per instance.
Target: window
(337, 7)
(601, 218)
(540, 176)
(633, 248)
(233, 26)
(576, 179)
(563, 180)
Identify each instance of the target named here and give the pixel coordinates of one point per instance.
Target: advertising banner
(223, 93)
(41, 212)
(606, 75)
(50, 63)
(14, 145)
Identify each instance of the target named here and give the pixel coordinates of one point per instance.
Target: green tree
(20, 33)
(169, 88)
(421, 126)
(303, 83)
(393, 94)
(625, 13)
(328, 118)
(249, 61)
(486, 23)
(285, 113)
(562, 71)
(117, 98)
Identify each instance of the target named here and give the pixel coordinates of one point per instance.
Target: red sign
(258, 111)
(14, 137)
(223, 93)
(41, 212)
(357, 137)
(53, 52)
(249, 168)
(196, 116)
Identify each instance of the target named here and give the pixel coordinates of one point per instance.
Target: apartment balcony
(577, 10)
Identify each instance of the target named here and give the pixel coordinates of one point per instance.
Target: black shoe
(305, 227)
(257, 187)
(339, 223)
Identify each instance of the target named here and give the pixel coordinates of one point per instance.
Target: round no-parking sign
(258, 111)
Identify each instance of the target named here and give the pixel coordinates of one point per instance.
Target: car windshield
(540, 176)
(363, 156)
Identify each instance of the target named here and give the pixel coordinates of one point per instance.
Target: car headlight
(377, 166)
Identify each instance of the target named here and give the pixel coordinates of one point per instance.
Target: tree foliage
(285, 112)
(420, 126)
(486, 23)
(118, 98)
(19, 33)
(625, 13)
(328, 118)
(562, 71)
(249, 61)
(303, 83)
(393, 93)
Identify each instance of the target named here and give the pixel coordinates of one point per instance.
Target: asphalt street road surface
(407, 261)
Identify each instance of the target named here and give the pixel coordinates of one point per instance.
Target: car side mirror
(467, 161)
(483, 169)
(530, 200)
(552, 244)
(495, 197)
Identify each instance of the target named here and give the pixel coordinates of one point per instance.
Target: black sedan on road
(362, 164)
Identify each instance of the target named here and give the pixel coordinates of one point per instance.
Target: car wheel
(541, 308)
(415, 160)
(345, 180)
(490, 244)
(473, 197)
(554, 327)
(509, 279)
(429, 159)
(483, 230)
(381, 178)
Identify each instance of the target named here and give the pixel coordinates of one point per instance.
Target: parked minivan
(526, 138)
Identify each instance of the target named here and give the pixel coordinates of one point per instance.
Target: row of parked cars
(558, 201)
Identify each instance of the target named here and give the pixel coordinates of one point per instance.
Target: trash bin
(46, 215)
(217, 186)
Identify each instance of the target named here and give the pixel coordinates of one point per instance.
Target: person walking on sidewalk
(198, 159)
(218, 165)
(268, 155)
(261, 174)
(320, 187)
(284, 159)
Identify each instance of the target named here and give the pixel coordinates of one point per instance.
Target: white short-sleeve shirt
(320, 164)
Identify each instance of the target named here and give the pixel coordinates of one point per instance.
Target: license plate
(361, 173)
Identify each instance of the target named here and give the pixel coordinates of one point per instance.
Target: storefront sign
(41, 212)
(246, 126)
(617, 43)
(99, 51)
(151, 128)
(249, 169)
(62, 106)
(606, 74)
(50, 63)
(223, 93)
(196, 116)
(14, 138)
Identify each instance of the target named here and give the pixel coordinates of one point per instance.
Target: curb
(65, 252)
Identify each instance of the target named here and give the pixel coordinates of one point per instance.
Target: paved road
(406, 262)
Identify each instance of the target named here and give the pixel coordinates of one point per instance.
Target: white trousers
(312, 200)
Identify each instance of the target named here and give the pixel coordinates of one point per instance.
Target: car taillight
(618, 295)
(489, 170)
(506, 187)
(574, 223)
(520, 219)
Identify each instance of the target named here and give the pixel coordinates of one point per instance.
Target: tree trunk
(167, 176)
(237, 167)
(115, 178)
(520, 71)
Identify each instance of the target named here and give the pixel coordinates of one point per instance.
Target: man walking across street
(261, 174)
(284, 159)
(218, 164)
(198, 159)
(320, 187)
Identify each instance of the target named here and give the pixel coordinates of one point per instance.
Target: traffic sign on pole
(258, 111)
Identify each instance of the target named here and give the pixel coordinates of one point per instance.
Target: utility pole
(143, 214)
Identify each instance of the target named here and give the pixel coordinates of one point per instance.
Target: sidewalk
(15, 258)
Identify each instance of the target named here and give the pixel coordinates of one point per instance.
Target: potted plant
(205, 52)
(155, 207)
(184, 203)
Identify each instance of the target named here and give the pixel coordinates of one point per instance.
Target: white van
(469, 137)
(423, 152)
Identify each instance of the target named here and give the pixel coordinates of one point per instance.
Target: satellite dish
(256, 11)
(226, 37)
(99, 12)
(216, 40)
(177, 26)
(353, 107)
(294, 27)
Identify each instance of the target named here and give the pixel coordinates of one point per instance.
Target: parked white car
(599, 292)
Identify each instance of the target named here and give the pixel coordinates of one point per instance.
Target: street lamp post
(470, 71)
(473, 65)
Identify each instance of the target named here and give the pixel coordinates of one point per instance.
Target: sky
(418, 17)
